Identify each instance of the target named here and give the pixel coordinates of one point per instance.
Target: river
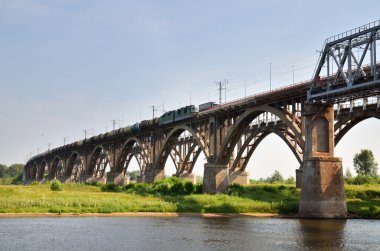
(186, 233)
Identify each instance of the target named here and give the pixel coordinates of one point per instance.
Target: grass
(362, 201)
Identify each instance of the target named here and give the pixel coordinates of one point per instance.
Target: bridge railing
(353, 31)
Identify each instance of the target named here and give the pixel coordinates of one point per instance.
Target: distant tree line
(12, 174)
(276, 177)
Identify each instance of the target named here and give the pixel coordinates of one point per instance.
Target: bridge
(310, 117)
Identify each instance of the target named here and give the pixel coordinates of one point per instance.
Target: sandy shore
(143, 214)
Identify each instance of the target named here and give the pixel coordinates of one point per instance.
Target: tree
(290, 180)
(15, 170)
(276, 177)
(133, 175)
(365, 163)
(348, 174)
(3, 170)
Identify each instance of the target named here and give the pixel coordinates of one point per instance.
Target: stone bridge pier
(322, 192)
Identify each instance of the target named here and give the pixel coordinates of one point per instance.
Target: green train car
(177, 115)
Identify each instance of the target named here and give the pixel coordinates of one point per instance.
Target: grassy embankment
(79, 198)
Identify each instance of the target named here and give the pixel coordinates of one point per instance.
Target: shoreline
(144, 214)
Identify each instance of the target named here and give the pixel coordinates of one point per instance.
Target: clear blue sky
(68, 65)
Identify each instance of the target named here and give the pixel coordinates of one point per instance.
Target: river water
(187, 233)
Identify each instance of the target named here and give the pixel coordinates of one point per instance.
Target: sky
(69, 65)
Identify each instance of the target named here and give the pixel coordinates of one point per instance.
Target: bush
(56, 185)
(142, 188)
(178, 188)
(198, 189)
(270, 189)
(111, 187)
(362, 179)
(235, 190)
(130, 186)
(189, 187)
(162, 188)
(35, 183)
(96, 184)
(282, 188)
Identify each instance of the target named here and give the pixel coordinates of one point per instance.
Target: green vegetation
(169, 196)
(365, 163)
(275, 178)
(366, 167)
(133, 175)
(56, 185)
(12, 174)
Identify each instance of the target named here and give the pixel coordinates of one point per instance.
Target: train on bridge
(169, 117)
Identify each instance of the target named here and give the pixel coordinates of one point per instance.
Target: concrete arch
(96, 161)
(126, 152)
(42, 169)
(194, 153)
(243, 122)
(168, 144)
(260, 136)
(348, 124)
(130, 157)
(54, 168)
(34, 171)
(72, 165)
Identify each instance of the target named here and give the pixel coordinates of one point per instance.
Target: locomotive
(170, 117)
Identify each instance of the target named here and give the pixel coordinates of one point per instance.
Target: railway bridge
(310, 117)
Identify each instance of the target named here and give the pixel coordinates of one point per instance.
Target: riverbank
(144, 214)
(256, 200)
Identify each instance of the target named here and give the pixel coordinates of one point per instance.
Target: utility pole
(225, 90)
(293, 73)
(113, 124)
(85, 131)
(221, 87)
(245, 89)
(153, 109)
(49, 144)
(270, 76)
(64, 140)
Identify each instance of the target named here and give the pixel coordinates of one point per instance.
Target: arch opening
(99, 164)
(74, 167)
(270, 155)
(259, 120)
(43, 171)
(56, 168)
(360, 134)
(133, 168)
(184, 152)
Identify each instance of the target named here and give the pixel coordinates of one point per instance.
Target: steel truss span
(350, 66)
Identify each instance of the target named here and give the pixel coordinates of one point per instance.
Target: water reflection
(187, 233)
(322, 234)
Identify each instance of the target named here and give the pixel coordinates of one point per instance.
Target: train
(169, 117)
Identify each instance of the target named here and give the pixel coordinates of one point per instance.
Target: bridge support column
(215, 178)
(188, 177)
(322, 189)
(117, 178)
(152, 175)
(299, 177)
(239, 177)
